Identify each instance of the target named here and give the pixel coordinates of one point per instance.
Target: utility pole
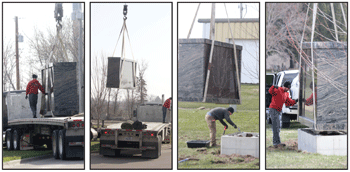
(17, 58)
(240, 10)
(77, 17)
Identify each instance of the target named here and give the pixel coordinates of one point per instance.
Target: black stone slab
(113, 72)
(331, 107)
(193, 59)
(66, 100)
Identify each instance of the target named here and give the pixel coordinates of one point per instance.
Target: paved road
(44, 162)
(132, 161)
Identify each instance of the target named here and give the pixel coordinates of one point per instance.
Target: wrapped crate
(193, 59)
(330, 59)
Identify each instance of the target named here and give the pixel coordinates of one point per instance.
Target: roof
(232, 20)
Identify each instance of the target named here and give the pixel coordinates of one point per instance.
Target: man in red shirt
(32, 90)
(166, 106)
(280, 96)
(309, 101)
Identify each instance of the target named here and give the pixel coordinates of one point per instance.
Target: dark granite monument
(193, 59)
(330, 59)
(65, 99)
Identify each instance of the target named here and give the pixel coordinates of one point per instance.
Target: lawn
(192, 126)
(21, 154)
(292, 158)
(95, 146)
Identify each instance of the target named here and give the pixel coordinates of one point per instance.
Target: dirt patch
(290, 145)
(235, 158)
(202, 150)
(221, 159)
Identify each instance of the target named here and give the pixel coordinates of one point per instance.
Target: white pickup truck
(288, 112)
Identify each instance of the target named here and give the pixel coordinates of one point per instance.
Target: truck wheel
(9, 140)
(61, 144)
(16, 139)
(117, 152)
(153, 154)
(55, 144)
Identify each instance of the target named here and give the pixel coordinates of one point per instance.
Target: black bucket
(198, 143)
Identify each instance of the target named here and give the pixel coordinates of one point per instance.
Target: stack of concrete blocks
(322, 144)
(241, 144)
(331, 103)
(151, 112)
(193, 62)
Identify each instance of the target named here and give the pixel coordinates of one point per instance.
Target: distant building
(246, 33)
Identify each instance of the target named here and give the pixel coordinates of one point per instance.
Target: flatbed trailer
(64, 135)
(149, 141)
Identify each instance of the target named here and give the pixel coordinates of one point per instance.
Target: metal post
(17, 56)
(342, 10)
(212, 37)
(300, 72)
(334, 23)
(312, 61)
(78, 17)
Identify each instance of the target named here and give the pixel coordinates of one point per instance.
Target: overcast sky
(149, 26)
(31, 15)
(187, 11)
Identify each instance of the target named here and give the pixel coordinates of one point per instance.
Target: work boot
(214, 145)
(279, 145)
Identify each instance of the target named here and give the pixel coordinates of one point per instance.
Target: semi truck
(147, 139)
(59, 126)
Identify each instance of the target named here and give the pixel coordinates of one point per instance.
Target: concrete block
(322, 144)
(240, 144)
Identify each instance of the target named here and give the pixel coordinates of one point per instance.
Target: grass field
(192, 126)
(21, 154)
(290, 157)
(95, 146)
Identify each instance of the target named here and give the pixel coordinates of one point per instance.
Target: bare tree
(284, 26)
(9, 63)
(141, 83)
(98, 86)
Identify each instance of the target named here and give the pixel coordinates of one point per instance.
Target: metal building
(245, 33)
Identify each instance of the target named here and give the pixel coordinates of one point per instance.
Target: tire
(61, 144)
(16, 140)
(9, 140)
(153, 154)
(117, 152)
(55, 144)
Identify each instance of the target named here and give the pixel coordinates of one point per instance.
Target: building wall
(246, 34)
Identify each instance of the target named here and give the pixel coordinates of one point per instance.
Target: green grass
(192, 126)
(95, 146)
(287, 158)
(21, 154)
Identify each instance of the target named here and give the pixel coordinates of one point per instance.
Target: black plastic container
(198, 143)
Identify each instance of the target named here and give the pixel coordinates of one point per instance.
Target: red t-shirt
(33, 86)
(167, 103)
(279, 97)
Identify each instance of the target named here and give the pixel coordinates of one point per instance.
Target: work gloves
(296, 100)
(235, 126)
(26, 97)
(276, 86)
(46, 94)
(226, 127)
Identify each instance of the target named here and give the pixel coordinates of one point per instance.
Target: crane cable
(122, 32)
